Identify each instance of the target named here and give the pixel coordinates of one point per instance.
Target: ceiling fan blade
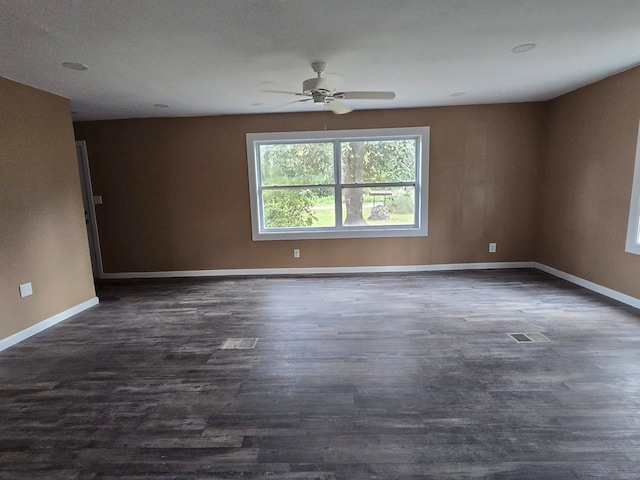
(283, 91)
(278, 107)
(339, 107)
(365, 95)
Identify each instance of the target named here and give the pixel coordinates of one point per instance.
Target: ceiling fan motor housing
(320, 85)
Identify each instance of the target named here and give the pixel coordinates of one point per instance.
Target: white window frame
(259, 232)
(633, 228)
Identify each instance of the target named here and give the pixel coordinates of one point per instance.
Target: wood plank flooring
(395, 377)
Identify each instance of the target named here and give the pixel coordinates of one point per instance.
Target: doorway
(89, 202)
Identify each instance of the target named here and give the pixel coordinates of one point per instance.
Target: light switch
(26, 289)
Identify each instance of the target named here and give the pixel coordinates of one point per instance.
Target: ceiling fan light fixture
(319, 98)
(338, 107)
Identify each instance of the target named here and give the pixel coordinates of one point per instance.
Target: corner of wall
(43, 238)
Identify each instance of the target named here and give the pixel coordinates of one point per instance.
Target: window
(633, 230)
(339, 184)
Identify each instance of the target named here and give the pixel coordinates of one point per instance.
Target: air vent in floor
(529, 337)
(239, 344)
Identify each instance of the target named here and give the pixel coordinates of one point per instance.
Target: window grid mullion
(337, 159)
(379, 185)
(296, 187)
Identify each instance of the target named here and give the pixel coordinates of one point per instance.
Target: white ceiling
(213, 57)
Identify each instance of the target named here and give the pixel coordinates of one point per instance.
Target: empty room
(319, 240)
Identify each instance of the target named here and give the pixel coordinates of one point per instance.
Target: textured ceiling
(212, 57)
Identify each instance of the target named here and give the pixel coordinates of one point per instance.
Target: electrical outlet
(492, 247)
(296, 253)
(26, 289)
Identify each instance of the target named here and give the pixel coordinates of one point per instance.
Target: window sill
(317, 234)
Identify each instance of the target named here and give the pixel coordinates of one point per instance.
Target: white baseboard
(39, 327)
(241, 272)
(49, 322)
(607, 292)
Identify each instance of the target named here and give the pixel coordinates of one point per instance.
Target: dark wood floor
(399, 377)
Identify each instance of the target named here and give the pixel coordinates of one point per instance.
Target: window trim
(421, 184)
(633, 227)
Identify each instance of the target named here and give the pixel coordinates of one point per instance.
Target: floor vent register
(529, 337)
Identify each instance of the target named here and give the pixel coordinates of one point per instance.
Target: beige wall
(176, 191)
(42, 234)
(586, 183)
(549, 182)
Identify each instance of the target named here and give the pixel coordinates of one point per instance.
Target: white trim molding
(240, 272)
(607, 292)
(39, 327)
(419, 184)
(633, 227)
(263, 272)
(85, 178)
(49, 322)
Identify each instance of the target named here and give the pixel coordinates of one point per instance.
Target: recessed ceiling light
(256, 104)
(75, 66)
(457, 94)
(523, 48)
(161, 105)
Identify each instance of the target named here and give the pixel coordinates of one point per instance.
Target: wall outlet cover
(26, 289)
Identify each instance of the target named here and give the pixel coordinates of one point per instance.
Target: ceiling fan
(322, 91)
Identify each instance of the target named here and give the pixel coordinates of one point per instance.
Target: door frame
(89, 204)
